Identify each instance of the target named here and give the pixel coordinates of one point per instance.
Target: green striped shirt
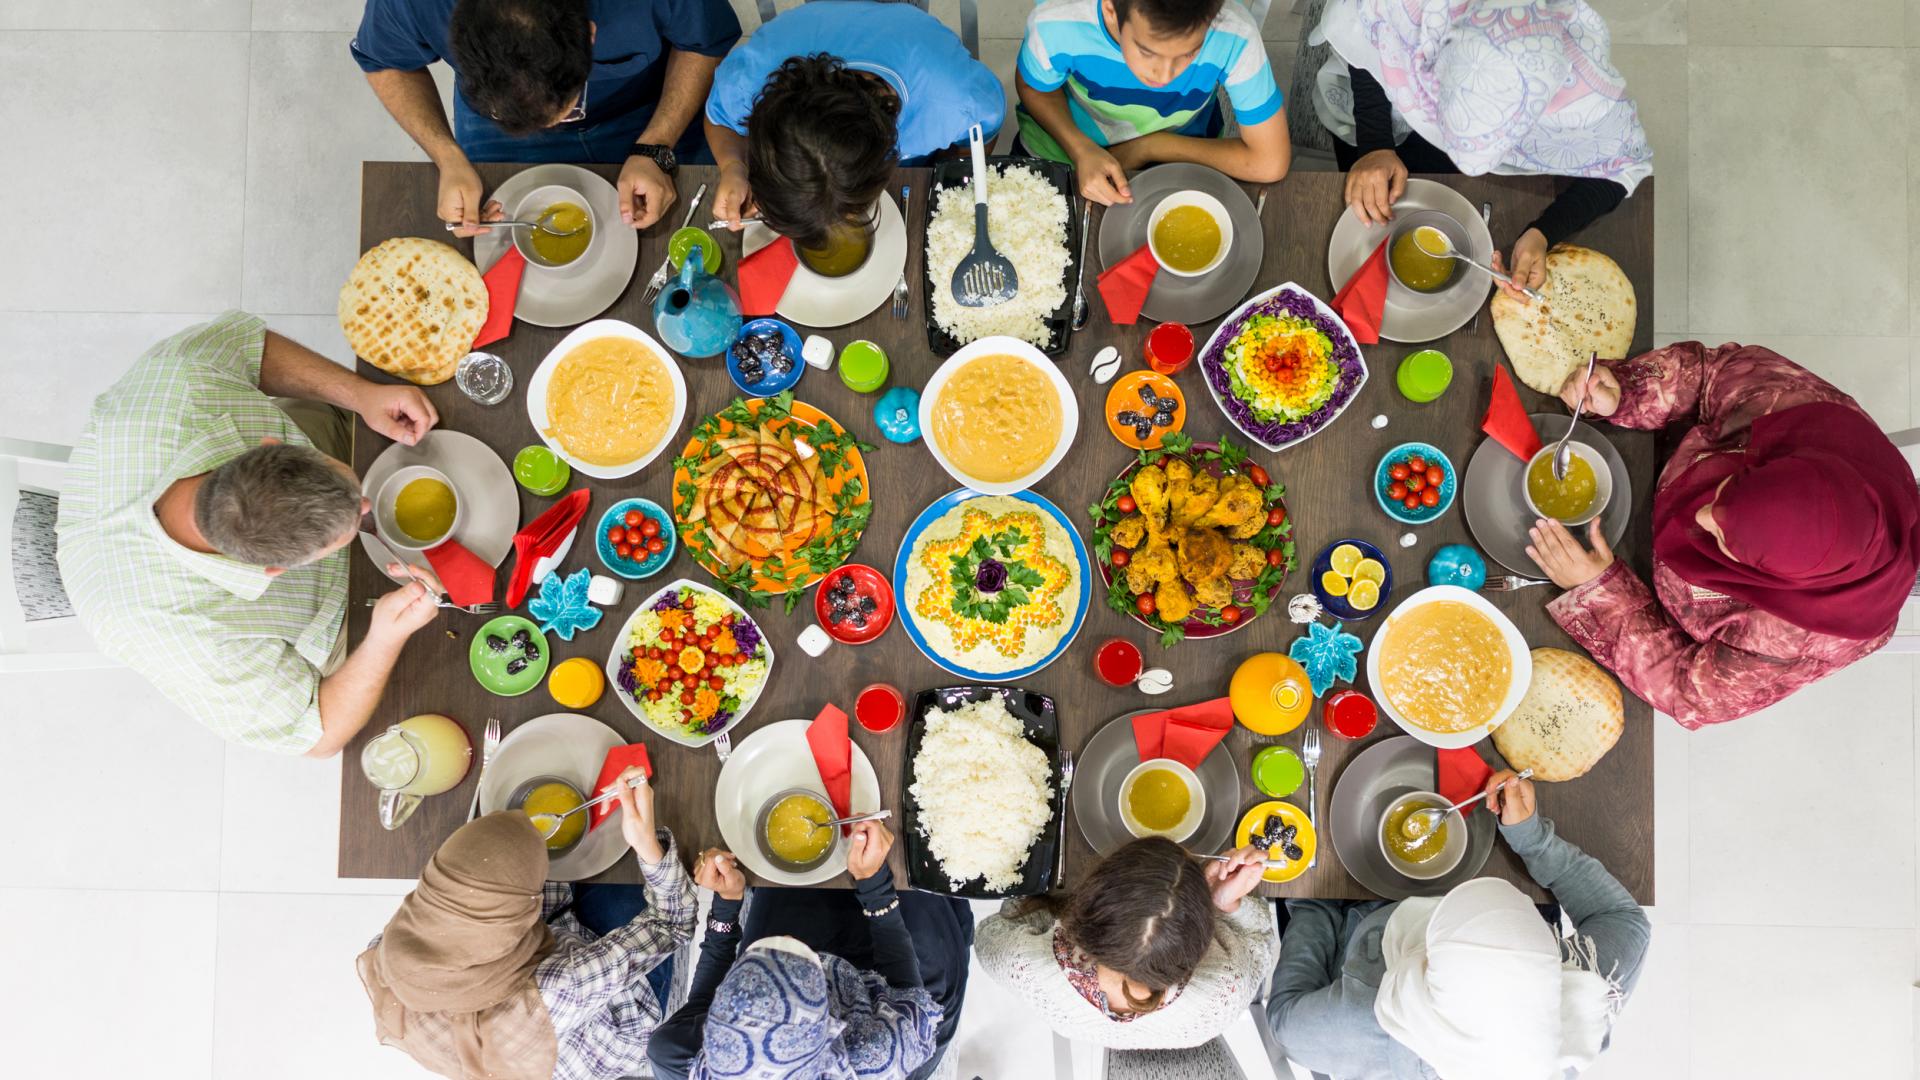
(233, 647)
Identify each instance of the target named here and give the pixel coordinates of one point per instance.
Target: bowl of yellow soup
(1416, 269)
(417, 508)
(789, 833)
(543, 798)
(1448, 666)
(1189, 233)
(1161, 797)
(607, 399)
(998, 415)
(560, 254)
(1575, 499)
(1422, 853)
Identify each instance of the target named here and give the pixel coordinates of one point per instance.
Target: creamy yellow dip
(1445, 666)
(793, 829)
(997, 418)
(609, 401)
(550, 800)
(424, 509)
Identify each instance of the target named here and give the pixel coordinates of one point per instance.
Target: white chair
(1906, 639)
(38, 629)
(969, 19)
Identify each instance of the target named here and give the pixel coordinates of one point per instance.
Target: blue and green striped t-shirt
(1068, 45)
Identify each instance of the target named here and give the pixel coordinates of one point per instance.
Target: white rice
(984, 791)
(1027, 219)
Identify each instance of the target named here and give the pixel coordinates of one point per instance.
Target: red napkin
(764, 275)
(1507, 419)
(466, 576)
(619, 759)
(1124, 285)
(1364, 297)
(503, 289)
(1186, 734)
(833, 756)
(1460, 773)
(542, 536)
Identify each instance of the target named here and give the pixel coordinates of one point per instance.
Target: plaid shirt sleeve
(578, 983)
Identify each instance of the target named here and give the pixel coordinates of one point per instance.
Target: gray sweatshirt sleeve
(1321, 1018)
(1600, 907)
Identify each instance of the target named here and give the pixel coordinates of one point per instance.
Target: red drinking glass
(1349, 714)
(1170, 348)
(1118, 662)
(879, 707)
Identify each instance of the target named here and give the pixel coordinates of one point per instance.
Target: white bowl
(1602, 482)
(1214, 208)
(1451, 852)
(621, 648)
(1517, 651)
(531, 206)
(542, 375)
(987, 346)
(1196, 800)
(383, 519)
(774, 757)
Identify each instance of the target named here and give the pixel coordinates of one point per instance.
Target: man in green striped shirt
(203, 528)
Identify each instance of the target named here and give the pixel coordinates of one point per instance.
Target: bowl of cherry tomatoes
(1414, 483)
(636, 538)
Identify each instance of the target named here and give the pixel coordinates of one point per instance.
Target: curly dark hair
(1169, 16)
(521, 62)
(820, 147)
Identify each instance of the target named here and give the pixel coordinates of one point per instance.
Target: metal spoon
(539, 223)
(1272, 863)
(877, 815)
(1434, 814)
(1440, 246)
(548, 824)
(1563, 453)
(1080, 277)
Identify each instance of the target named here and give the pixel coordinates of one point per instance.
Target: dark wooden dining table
(1608, 812)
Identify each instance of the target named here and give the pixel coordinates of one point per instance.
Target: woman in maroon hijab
(1786, 535)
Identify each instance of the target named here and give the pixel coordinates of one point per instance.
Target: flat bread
(1587, 306)
(1570, 717)
(412, 308)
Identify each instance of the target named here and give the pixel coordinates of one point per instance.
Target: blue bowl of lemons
(1352, 579)
(636, 538)
(1414, 483)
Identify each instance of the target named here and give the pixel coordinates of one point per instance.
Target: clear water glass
(484, 377)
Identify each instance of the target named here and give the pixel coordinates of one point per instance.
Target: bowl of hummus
(998, 415)
(1448, 667)
(608, 398)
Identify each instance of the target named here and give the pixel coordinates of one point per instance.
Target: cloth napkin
(466, 576)
(1186, 734)
(1459, 773)
(618, 760)
(1507, 420)
(1124, 285)
(503, 290)
(764, 275)
(544, 542)
(833, 756)
(1363, 298)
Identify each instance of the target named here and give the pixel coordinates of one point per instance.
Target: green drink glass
(685, 240)
(863, 366)
(540, 470)
(1425, 375)
(1278, 772)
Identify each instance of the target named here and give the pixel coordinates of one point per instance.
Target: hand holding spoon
(1423, 821)
(1440, 246)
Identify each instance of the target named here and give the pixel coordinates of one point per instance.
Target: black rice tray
(959, 174)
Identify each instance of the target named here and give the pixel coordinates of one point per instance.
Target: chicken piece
(1248, 529)
(1179, 481)
(1240, 501)
(1204, 554)
(1138, 579)
(1173, 602)
(1248, 562)
(1201, 494)
(1215, 593)
(1155, 561)
(1128, 531)
(1149, 491)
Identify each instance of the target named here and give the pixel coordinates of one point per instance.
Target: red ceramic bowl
(869, 582)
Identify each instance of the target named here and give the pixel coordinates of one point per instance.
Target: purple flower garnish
(990, 576)
(1274, 434)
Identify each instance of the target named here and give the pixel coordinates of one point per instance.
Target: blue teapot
(697, 314)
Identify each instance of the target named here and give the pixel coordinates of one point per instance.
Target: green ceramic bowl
(490, 662)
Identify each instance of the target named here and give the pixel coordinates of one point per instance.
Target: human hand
(1603, 391)
(1566, 563)
(867, 849)
(399, 613)
(732, 195)
(1102, 178)
(399, 411)
(1514, 803)
(1231, 880)
(461, 199)
(645, 191)
(1529, 268)
(1374, 184)
(636, 815)
(718, 872)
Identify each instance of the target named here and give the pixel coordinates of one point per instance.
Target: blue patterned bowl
(1449, 485)
(635, 569)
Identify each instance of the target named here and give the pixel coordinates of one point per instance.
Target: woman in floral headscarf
(1511, 87)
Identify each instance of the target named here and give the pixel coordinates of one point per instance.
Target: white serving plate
(771, 760)
(620, 647)
(573, 748)
(1069, 410)
(542, 375)
(1516, 648)
(1232, 320)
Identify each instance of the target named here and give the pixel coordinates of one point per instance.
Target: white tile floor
(199, 930)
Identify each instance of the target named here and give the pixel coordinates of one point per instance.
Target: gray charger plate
(1494, 498)
(1123, 229)
(1379, 774)
(1100, 768)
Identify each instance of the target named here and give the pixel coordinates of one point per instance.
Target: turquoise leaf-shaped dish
(1328, 653)
(562, 605)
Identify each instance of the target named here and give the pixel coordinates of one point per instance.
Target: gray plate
(1410, 316)
(1379, 774)
(1110, 755)
(1495, 499)
(1123, 229)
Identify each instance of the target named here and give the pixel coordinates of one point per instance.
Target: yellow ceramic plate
(1292, 815)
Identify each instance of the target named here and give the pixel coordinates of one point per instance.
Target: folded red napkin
(466, 576)
(764, 275)
(1363, 298)
(1186, 734)
(542, 537)
(1125, 284)
(1460, 773)
(618, 760)
(833, 756)
(1507, 420)
(503, 289)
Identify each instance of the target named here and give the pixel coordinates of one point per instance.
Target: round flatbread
(1571, 716)
(412, 308)
(1587, 306)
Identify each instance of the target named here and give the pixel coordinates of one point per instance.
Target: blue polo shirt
(943, 90)
(630, 45)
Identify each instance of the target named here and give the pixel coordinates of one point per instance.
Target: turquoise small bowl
(635, 569)
(1449, 484)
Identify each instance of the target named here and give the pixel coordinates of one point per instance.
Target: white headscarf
(1475, 985)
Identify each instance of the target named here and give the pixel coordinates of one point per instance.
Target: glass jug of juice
(1270, 693)
(419, 756)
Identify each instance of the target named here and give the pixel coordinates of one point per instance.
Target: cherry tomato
(656, 545)
(1125, 504)
(1430, 497)
(1416, 481)
(649, 528)
(633, 518)
(1276, 557)
(717, 682)
(1411, 502)
(686, 697)
(1396, 491)
(1120, 557)
(1436, 475)
(1417, 463)
(1277, 516)
(1258, 475)
(1230, 614)
(623, 551)
(655, 654)
(653, 695)
(1144, 604)
(616, 535)
(1398, 470)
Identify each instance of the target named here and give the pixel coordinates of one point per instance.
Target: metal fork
(489, 742)
(1310, 757)
(659, 279)
(1510, 583)
(900, 287)
(488, 608)
(1486, 218)
(1066, 787)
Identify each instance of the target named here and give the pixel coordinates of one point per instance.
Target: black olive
(517, 665)
(1126, 418)
(1143, 430)
(531, 651)
(1292, 852)
(1147, 395)
(867, 605)
(496, 643)
(1163, 418)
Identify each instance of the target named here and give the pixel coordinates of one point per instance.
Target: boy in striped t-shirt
(1113, 85)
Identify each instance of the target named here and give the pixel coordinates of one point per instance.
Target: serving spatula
(985, 277)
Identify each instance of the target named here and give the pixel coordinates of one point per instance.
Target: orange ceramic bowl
(1125, 395)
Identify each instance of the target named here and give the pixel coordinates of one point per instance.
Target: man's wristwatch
(662, 156)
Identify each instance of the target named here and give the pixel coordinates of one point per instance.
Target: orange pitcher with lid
(1270, 693)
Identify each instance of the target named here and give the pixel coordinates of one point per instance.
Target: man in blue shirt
(549, 80)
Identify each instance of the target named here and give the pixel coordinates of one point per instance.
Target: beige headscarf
(452, 978)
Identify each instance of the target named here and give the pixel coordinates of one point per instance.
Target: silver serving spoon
(1440, 246)
(1563, 453)
(1412, 828)
(877, 815)
(1080, 278)
(548, 824)
(542, 223)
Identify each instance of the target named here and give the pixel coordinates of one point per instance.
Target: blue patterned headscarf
(783, 1013)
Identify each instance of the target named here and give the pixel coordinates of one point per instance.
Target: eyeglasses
(572, 116)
